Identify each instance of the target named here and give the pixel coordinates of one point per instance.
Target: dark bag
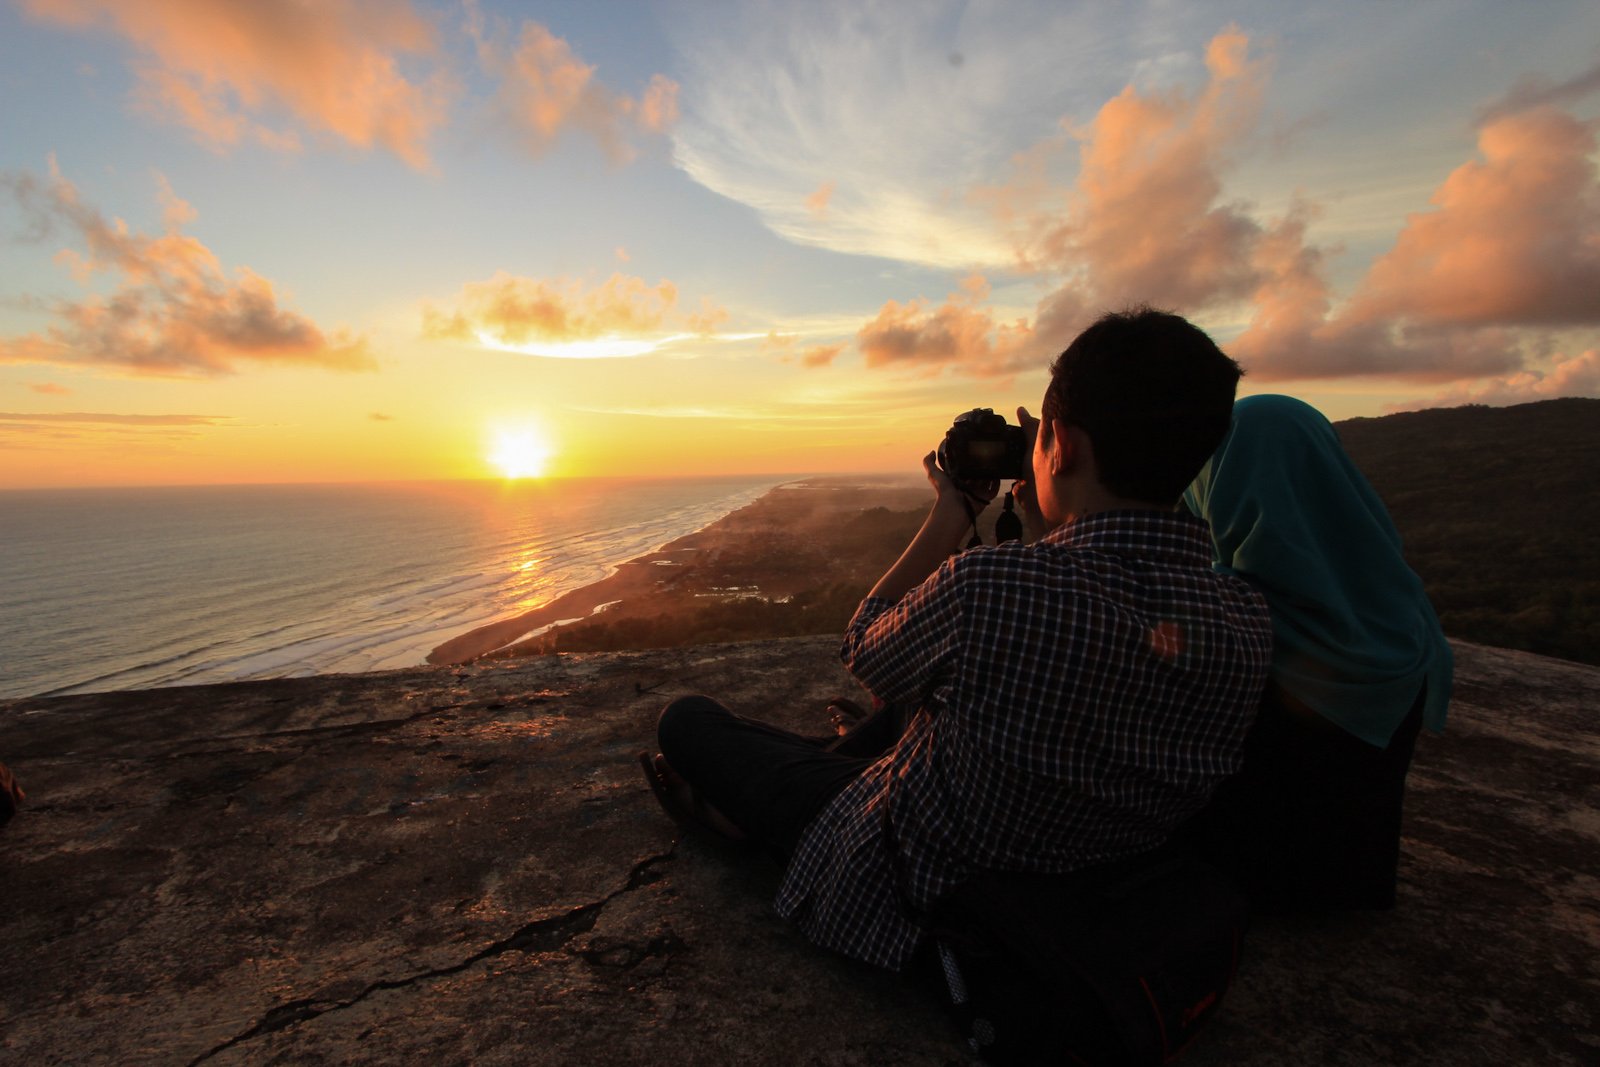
(1121, 964)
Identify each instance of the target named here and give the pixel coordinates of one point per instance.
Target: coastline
(109, 590)
(799, 542)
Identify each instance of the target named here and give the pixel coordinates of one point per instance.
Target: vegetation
(1498, 509)
(795, 562)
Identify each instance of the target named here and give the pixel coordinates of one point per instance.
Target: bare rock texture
(455, 865)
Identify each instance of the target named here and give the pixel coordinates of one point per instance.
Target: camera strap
(972, 517)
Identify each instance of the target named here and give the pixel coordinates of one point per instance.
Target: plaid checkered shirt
(1077, 699)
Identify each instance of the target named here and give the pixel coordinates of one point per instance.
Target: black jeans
(770, 782)
(1312, 820)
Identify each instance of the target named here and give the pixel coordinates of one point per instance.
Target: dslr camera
(982, 447)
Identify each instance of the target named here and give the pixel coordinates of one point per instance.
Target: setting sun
(521, 453)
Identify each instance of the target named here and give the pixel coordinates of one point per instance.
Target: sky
(251, 241)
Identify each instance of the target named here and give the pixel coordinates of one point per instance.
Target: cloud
(105, 418)
(225, 68)
(817, 202)
(959, 332)
(1144, 220)
(781, 99)
(1534, 92)
(708, 319)
(172, 311)
(783, 346)
(1514, 239)
(1575, 376)
(658, 111)
(50, 389)
(1512, 245)
(821, 355)
(624, 315)
(378, 416)
(545, 89)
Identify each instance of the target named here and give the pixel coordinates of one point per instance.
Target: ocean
(104, 589)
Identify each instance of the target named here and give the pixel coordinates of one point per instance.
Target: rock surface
(456, 865)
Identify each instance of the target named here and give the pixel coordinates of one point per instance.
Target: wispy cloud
(49, 389)
(1509, 249)
(234, 71)
(1538, 91)
(857, 109)
(173, 310)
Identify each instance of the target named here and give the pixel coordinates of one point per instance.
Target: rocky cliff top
(456, 865)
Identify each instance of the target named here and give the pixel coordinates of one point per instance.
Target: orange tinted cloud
(50, 389)
(820, 355)
(817, 202)
(959, 333)
(657, 109)
(1515, 239)
(783, 345)
(1143, 221)
(173, 311)
(1513, 242)
(222, 67)
(1575, 376)
(1148, 219)
(545, 89)
(514, 310)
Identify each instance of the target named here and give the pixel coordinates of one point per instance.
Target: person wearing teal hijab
(1312, 821)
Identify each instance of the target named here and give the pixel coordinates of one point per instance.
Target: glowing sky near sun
(260, 240)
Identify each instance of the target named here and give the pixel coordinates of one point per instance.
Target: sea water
(105, 589)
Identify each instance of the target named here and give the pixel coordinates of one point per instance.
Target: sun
(521, 453)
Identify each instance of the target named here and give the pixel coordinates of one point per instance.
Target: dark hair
(1153, 393)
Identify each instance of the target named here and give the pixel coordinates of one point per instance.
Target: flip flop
(844, 713)
(669, 788)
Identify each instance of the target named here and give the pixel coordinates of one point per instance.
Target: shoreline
(749, 554)
(239, 583)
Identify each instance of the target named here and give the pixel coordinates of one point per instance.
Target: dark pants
(770, 782)
(1312, 820)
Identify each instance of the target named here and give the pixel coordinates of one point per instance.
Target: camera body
(982, 447)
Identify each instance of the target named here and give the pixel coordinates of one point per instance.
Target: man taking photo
(1071, 700)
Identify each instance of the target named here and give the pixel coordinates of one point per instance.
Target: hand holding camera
(982, 447)
(979, 451)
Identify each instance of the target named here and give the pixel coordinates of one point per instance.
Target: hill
(1499, 509)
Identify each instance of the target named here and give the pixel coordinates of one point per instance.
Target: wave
(233, 583)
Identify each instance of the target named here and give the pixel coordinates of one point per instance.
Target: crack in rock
(541, 935)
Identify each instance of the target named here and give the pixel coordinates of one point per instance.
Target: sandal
(679, 800)
(844, 713)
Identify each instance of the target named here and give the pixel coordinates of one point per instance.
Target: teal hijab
(1354, 637)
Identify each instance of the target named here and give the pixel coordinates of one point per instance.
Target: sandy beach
(789, 563)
